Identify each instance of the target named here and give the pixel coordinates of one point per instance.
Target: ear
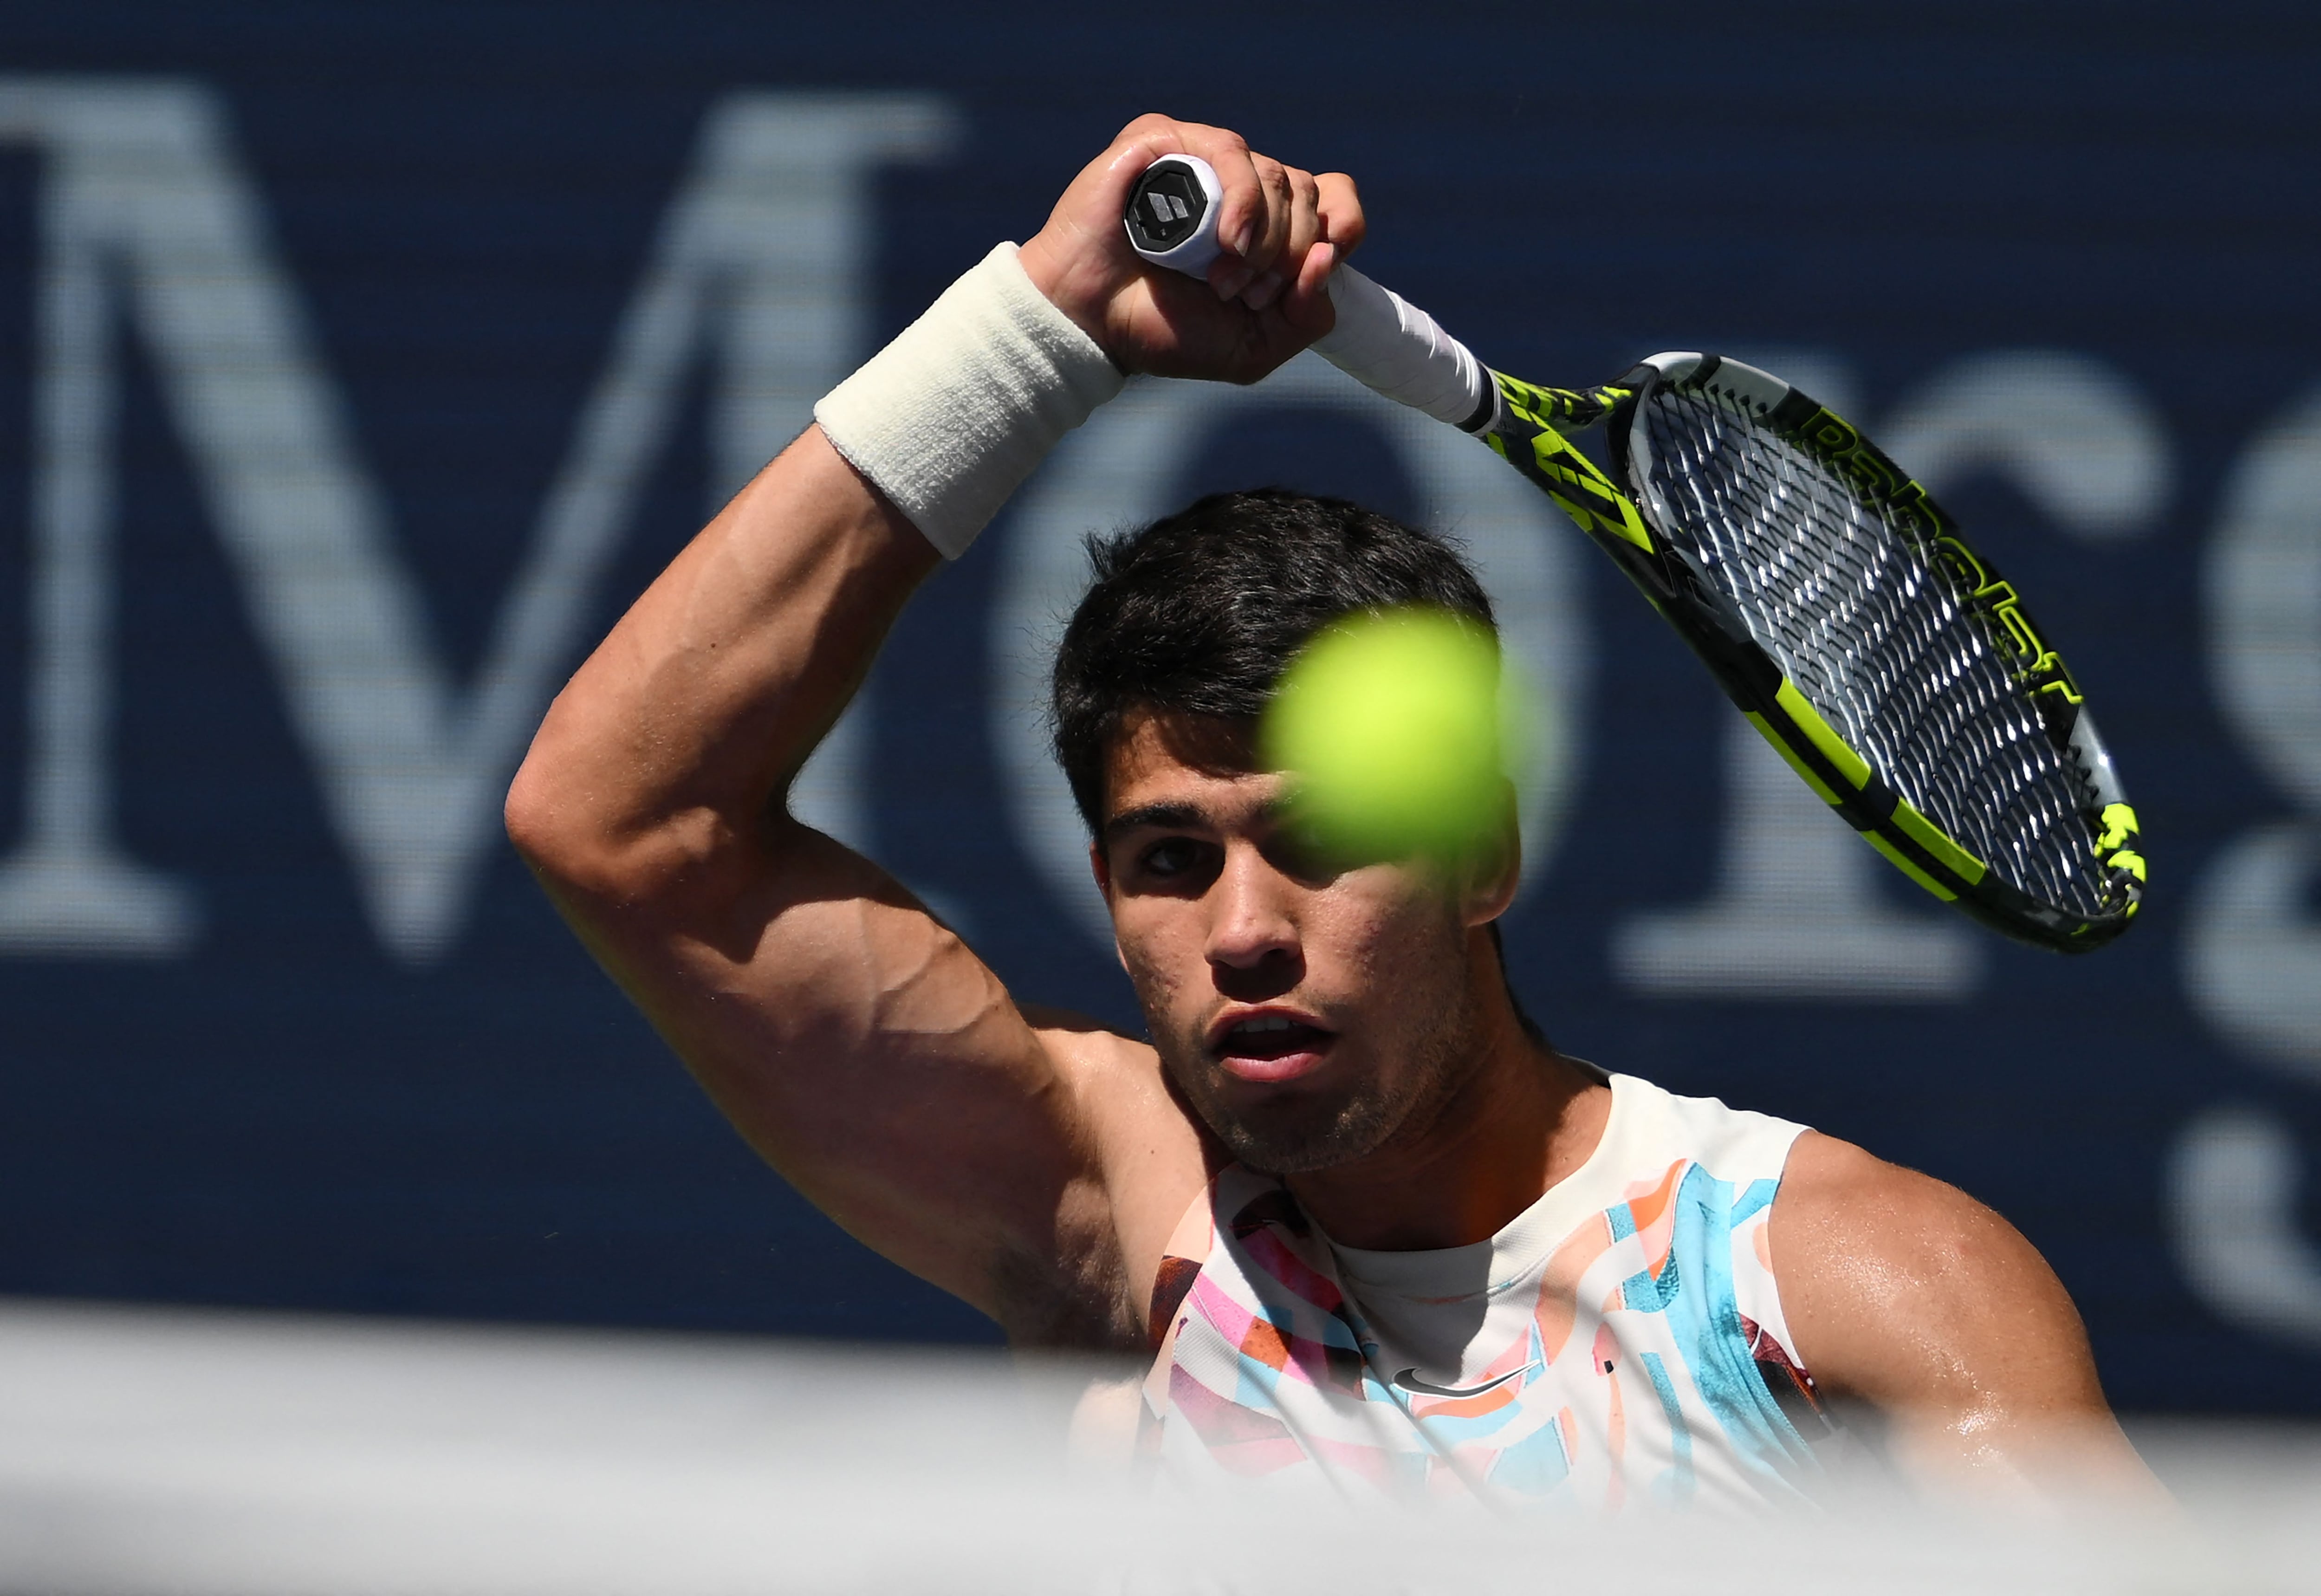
(1495, 875)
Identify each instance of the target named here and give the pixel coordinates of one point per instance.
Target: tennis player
(1364, 1226)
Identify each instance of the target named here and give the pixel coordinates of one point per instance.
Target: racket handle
(1381, 340)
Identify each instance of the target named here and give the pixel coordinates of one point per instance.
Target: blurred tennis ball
(1390, 724)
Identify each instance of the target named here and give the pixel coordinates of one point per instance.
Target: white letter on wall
(2253, 947)
(761, 257)
(2253, 957)
(2231, 1192)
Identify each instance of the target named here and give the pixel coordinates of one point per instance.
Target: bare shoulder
(1859, 1238)
(1895, 1282)
(1155, 1156)
(1905, 1292)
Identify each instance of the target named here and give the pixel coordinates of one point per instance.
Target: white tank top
(1621, 1341)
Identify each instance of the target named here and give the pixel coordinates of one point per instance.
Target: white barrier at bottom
(150, 1451)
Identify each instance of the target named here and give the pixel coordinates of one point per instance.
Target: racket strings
(1862, 616)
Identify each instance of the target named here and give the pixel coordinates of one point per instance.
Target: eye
(1169, 858)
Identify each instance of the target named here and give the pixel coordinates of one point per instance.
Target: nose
(1254, 926)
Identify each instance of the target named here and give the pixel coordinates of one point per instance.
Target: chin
(1298, 1139)
(1303, 1149)
(1302, 1160)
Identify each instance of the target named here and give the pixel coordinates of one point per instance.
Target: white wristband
(949, 418)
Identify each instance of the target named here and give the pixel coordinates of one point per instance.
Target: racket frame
(1535, 432)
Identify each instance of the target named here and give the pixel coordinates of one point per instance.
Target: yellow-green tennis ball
(1390, 726)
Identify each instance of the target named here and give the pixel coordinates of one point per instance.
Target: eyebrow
(1179, 816)
(1157, 816)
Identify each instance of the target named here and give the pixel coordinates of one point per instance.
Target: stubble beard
(1441, 1054)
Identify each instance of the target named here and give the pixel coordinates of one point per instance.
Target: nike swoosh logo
(1409, 1380)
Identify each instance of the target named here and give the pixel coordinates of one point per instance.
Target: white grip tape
(1385, 342)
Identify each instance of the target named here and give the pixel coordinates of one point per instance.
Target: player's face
(1307, 1015)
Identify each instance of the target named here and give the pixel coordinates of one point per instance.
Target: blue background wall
(287, 1112)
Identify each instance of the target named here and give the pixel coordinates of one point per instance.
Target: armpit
(1067, 1306)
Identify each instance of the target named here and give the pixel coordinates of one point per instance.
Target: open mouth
(1272, 1046)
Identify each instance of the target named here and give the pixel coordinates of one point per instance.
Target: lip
(1279, 1067)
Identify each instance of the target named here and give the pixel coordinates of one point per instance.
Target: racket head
(1878, 652)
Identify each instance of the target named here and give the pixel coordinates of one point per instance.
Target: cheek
(1379, 927)
(1152, 949)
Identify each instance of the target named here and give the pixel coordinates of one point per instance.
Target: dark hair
(1202, 611)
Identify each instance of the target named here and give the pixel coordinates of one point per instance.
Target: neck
(1522, 1118)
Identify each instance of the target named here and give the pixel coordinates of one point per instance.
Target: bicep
(1907, 1294)
(877, 1063)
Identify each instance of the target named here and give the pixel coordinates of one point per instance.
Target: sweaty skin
(1033, 1163)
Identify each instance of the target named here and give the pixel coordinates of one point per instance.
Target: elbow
(558, 825)
(538, 825)
(589, 842)
(569, 850)
(563, 813)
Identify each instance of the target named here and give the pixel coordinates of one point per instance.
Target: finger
(1269, 258)
(1305, 226)
(1280, 198)
(1230, 275)
(1241, 212)
(1307, 305)
(1305, 218)
(1341, 207)
(1254, 270)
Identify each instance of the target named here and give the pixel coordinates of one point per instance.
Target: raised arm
(1908, 1295)
(862, 1048)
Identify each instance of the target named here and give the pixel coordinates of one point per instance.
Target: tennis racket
(1832, 598)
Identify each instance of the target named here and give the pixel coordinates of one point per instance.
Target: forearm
(680, 732)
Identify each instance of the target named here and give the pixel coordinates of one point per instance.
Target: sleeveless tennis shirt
(1620, 1342)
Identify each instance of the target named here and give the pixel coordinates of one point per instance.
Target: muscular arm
(1906, 1293)
(862, 1048)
